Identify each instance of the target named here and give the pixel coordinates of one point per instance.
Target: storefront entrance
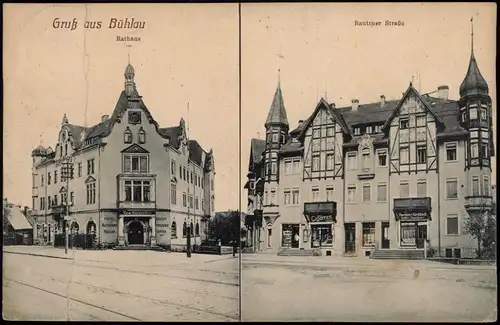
(350, 237)
(413, 234)
(322, 235)
(135, 233)
(385, 235)
(290, 236)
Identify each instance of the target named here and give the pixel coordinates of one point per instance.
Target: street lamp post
(188, 238)
(67, 173)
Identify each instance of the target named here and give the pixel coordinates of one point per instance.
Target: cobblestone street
(118, 286)
(365, 290)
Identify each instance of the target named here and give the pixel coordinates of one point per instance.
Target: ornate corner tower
(276, 135)
(476, 119)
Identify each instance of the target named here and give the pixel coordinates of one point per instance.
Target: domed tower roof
(39, 151)
(129, 69)
(474, 82)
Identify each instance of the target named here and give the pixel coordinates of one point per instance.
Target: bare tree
(480, 224)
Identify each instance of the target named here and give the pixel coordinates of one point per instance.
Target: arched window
(174, 230)
(197, 232)
(191, 229)
(184, 229)
(128, 135)
(142, 135)
(74, 227)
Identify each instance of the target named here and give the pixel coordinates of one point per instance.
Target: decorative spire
(65, 119)
(277, 112)
(474, 83)
(130, 88)
(472, 34)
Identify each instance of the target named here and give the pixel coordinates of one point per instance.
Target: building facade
(129, 180)
(391, 174)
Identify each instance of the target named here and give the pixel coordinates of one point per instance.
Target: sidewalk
(109, 256)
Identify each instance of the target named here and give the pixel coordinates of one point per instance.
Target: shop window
(173, 230)
(368, 234)
(322, 236)
(408, 231)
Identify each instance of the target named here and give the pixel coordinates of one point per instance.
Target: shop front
(253, 223)
(137, 227)
(321, 218)
(413, 216)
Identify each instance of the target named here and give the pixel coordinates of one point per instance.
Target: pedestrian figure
(219, 246)
(297, 237)
(234, 248)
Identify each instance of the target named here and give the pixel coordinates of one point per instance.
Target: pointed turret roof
(474, 83)
(277, 112)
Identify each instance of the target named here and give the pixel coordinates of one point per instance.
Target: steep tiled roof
(291, 146)
(277, 112)
(195, 152)
(173, 134)
(474, 82)
(257, 148)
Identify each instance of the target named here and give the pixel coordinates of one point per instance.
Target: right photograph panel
(368, 162)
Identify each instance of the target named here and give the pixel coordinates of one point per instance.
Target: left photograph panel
(120, 151)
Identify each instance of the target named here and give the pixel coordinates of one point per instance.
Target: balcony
(58, 209)
(478, 203)
(366, 173)
(320, 211)
(412, 209)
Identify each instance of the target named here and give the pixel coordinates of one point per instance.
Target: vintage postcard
(120, 157)
(368, 156)
(250, 162)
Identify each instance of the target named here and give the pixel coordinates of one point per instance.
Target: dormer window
(128, 136)
(357, 131)
(142, 135)
(368, 129)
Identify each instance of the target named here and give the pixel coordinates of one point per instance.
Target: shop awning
(412, 209)
(16, 218)
(320, 211)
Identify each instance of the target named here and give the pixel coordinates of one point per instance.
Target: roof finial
(128, 54)
(280, 56)
(258, 135)
(187, 133)
(41, 140)
(326, 91)
(472, 33)
(279, 78)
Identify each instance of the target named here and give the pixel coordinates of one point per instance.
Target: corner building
(134, 183)
(384, 175)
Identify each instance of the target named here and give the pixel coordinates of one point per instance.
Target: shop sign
(413, 215)
(139, 212)
(320, 218)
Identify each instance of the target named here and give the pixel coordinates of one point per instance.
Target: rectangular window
(473, 113)
(196, 203)
(357, 131)
(330, 131)
(451, 152)
(288, 197)
(90, 193)
(273, 168)
(55, 176)
(54, 203)
(382, 158)
(486, 181)
(172, 167)
(420, 120)
(382, 192)
(464, 116)
(315, 163)
(421, 188)
(296, 165)
(351, 160)
(173, 193)
(475, 186)
(41, 180)
(366, 193)
(128, 191)
(366, 160)
(351, 193)
(135, 164)
(329, 193)
(421, 154)
(316, 133)
(79, 169)
(484, 150)
(484, 115)
(404, 123)
(474, 150)
(295, 197)
(369, 129)
(275, 137)
(273, 197)
(184, 173)
(191, 205)
(288, 167)
(329, 161)
(184, 200)
(452, 224)
(404, 155)
(404, 189)
(451, 189)
(90, 166)
(368, 234)
(315, 194)
(49, 178)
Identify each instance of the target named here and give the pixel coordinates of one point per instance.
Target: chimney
(382, 100)
(442, 92)
(300, 122)
(104, 118)
(332, 105)
(355, 104)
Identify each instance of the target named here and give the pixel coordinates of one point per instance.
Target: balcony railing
(366, 173)
(413, 203)
(479, 202)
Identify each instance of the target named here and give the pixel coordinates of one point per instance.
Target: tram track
(72, 299)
